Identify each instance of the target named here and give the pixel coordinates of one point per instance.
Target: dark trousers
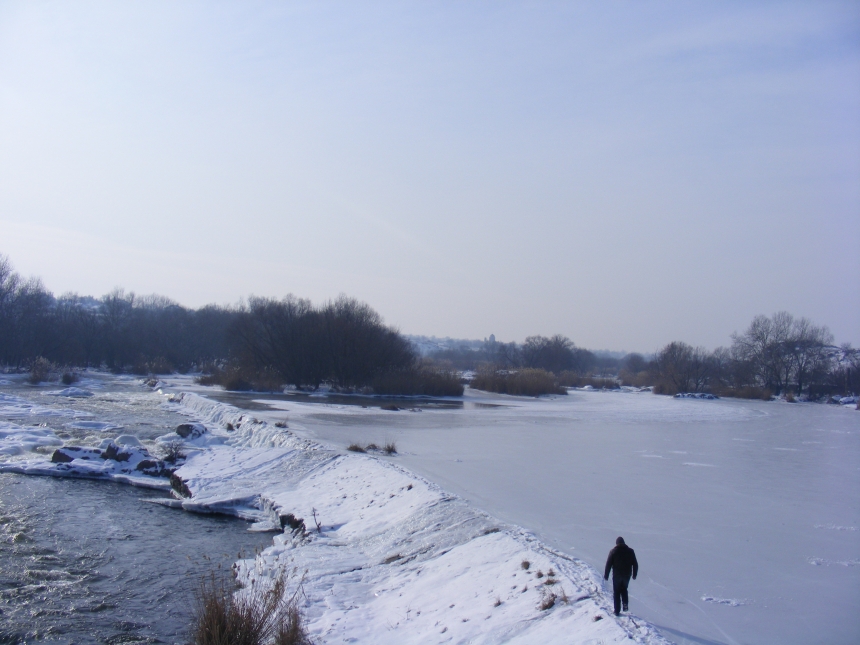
(619, 592)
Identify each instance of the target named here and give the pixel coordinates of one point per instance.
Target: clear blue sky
(624, 173)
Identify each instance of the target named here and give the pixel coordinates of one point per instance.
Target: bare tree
(554, 354)
(807, 351)
(684, 368)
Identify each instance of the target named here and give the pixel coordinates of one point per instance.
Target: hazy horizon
(626, 175)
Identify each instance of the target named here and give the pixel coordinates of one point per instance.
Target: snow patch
(731, 602)
(818, 562)
(696, 395)
(72, 392)
(834, 527)
(17, 440)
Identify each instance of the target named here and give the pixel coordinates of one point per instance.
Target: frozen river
(745, 515)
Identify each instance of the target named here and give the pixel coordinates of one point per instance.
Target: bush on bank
(524, 382)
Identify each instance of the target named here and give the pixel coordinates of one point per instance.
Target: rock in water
(67, 454)
(190, 430)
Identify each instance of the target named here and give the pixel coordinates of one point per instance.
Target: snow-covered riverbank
(743, 513)
(395, 558)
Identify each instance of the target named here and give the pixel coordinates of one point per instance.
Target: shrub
(240, 379)
(249, 617)
(208, 379)
(235, 382)
(660, 388)
(390, 448)
(636, 379)
(354, 447)
(69, 377)
(547, 601)
(570, 379)
(40, 370)
(157, 365)
(749, 392)
(418, 381)
(525, 382)
(171, 451)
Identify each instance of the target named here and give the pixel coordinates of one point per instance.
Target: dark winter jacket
(622, 562)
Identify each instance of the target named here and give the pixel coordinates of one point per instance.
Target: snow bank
(17, 440)
(388, 556)
(71, 392)
(696, 395)
(124, 460)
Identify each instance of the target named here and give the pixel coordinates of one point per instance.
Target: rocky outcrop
(126, 457)
(67, 454)
(178, 485)
(296, 524)
(191, 430)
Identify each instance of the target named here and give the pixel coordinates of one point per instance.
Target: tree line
(120, 331)
(269, 343)
(264, 344)
(780, 354)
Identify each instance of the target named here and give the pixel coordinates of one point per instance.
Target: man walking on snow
(622, 563)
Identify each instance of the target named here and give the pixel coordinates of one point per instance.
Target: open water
(89, 561)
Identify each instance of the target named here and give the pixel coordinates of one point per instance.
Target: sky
(623, 173)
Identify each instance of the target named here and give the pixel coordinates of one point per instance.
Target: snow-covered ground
(744, 515)
(395, 558)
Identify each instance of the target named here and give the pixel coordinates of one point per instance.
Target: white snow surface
(731, 499)
(721, 499)
(18, 440)
(396, 559)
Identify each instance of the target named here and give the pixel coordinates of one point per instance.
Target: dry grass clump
(252, 617)
(524, 382)
(40, 370)
(390, 448)
(172, 451)
(547, 601)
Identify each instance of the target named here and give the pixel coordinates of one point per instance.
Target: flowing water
(92, 562)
